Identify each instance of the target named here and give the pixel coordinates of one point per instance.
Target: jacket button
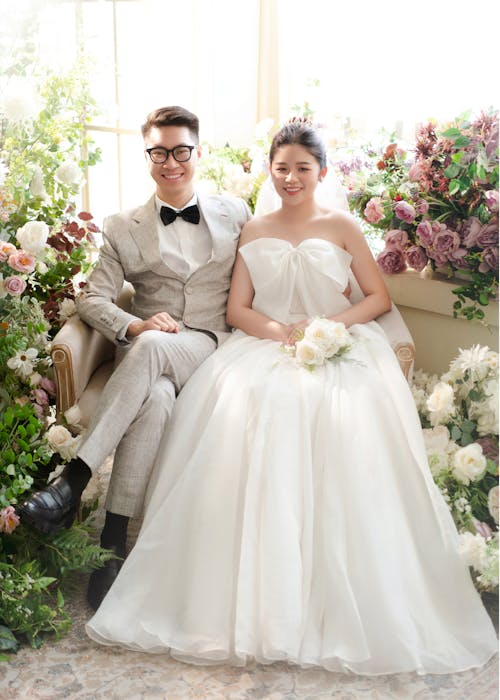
(189, 290)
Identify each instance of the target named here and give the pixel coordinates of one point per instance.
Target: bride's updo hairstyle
(300, 131)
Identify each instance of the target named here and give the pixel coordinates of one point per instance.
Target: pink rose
(22, 261)
(425, 233)
(491, 197)
(391, 261)
(416, 257)
(488, 235)
(469, 231)
(446, 241)
(415, 172)
(14, 285)
(374, 210)
(421, 206)
(9, 520)
(6, 249)
(489, 260)
(396, 239)
(405, 211)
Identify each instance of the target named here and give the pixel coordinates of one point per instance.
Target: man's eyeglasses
(159, 155)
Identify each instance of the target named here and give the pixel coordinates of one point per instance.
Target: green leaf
(462, 142)
(452, 170)
(454, 186)
(8, 642)
(456, 433)
(451, 133)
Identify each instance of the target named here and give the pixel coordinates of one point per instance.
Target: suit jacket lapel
(144, 230)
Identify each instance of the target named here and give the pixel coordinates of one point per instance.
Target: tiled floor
(78, 669)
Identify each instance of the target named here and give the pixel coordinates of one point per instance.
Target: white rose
(61, 440)
(493, 506)
(436, 439)
(469, 463)
(308, 353)
(73, 415)
(440, 403)
(68, 173)
(33, 236)
(330, 336)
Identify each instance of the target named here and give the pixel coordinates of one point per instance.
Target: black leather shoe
(101, 581)
(52, 508)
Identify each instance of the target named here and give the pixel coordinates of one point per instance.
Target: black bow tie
(191, 214)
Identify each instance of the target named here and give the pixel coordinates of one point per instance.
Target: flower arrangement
(46, 248)
(238, 171)
(459, 413)
(321, 341)
(438, 209)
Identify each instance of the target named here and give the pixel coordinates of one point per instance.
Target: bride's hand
(296, 331)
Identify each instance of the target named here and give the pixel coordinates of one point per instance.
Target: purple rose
(490, 448)
(421, 206)
(405, 212)
(48, 385)
(469, 231)
(40, 397)
(489, 260)
(391, 261)
(441, 259)
(425, 233)
(416, 257)
(488, 235)
(446, 242)
(491, 197)
(396, 239)
(14, 285)
(457, 257)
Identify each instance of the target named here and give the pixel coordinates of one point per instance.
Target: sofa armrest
(399, 336)
(77, 351)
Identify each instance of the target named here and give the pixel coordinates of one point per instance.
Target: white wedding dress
(292, 515)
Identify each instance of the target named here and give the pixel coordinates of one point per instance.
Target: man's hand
(159, 322)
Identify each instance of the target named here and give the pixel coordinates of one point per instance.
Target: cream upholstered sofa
(83, 357)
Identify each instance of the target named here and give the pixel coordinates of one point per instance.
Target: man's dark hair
(172, 116)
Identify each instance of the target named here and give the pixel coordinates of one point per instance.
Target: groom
(177, 251)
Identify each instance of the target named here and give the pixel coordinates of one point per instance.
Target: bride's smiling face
(295, 173)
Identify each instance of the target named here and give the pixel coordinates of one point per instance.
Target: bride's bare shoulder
(256, 228)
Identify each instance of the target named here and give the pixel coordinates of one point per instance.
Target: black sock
(114, 533)
(77, 474)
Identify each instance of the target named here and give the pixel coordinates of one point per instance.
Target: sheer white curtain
(389, 63)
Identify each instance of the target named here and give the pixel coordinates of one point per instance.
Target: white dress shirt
(184, 247)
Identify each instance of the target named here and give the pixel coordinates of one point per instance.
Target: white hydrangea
(473, 550)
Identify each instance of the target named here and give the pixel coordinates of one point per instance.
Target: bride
(292, 515)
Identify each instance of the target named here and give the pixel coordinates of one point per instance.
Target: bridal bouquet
(322, 340)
